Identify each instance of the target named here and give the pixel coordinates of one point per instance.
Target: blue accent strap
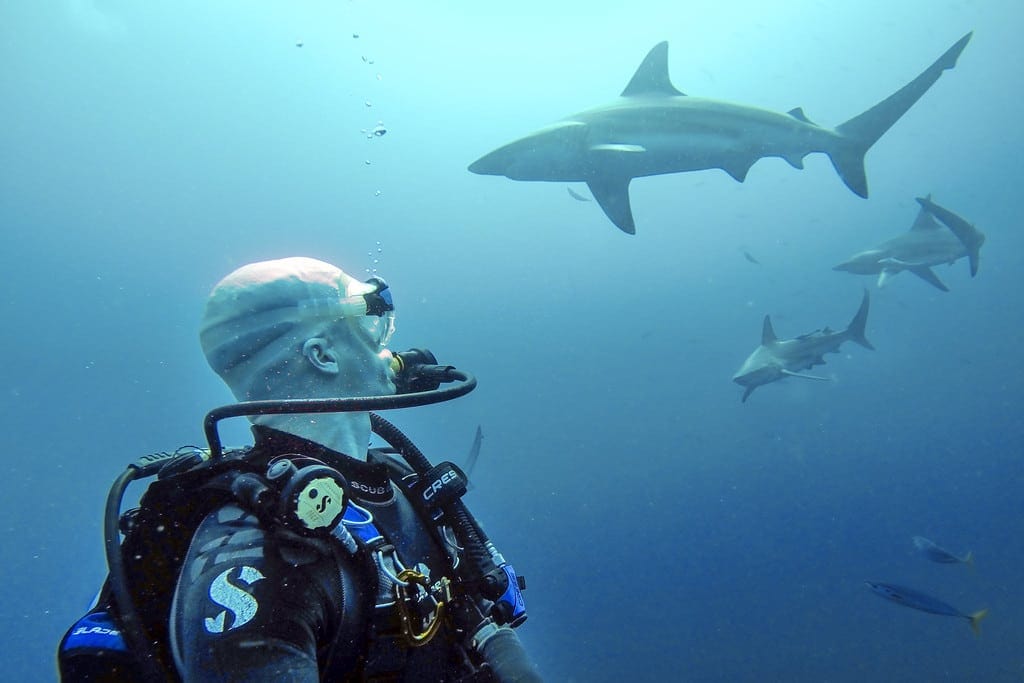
(360, 524)
(95, 631)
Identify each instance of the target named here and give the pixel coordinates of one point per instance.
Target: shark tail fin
(862, 131)
(848, 160)
(975, 620)
(969, 236)
(768, 332)
(856, 329)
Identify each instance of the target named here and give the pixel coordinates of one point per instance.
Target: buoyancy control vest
(407, 610)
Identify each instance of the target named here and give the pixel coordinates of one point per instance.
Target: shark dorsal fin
(767, 333)
(651, 78)
(798, 114)
(925, 221)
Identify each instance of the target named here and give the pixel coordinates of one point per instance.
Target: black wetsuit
(253, 604)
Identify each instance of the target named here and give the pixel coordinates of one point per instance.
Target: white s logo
(241, 604)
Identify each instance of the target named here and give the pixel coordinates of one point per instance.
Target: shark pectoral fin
(926, 274)
(884, 276)
(747, 393)
(789, 373)
(612, 194)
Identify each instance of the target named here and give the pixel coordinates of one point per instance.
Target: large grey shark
(777, 358)
(653, 129)
(926, 244)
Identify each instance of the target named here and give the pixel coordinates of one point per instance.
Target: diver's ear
(321, 355)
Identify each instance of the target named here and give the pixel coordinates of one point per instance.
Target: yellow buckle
(420, 579)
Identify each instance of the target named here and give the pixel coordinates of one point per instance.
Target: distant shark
(652, 129)
(777, 358)
(926, 244)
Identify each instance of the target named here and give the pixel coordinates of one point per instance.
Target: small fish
(576, 195)
(939, 554)
(908, 597)
(749, 257)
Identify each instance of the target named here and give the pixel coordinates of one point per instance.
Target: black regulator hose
(498, 646)
(465, 383)
(469, 533)
(133, 631)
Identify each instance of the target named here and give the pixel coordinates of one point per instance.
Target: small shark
(474, 451)
(653, 129)
(777, 358)
(926, 244)
(576, 195)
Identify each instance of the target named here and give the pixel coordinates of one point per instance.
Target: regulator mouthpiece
(415, 371)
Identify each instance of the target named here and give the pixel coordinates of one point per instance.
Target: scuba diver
(308, 556)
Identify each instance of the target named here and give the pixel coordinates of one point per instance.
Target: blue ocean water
(667, 531)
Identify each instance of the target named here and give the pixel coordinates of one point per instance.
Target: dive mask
(375, 309)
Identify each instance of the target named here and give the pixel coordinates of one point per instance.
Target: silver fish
(908, 597)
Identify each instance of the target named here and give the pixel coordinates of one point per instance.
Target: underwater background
(667, 531)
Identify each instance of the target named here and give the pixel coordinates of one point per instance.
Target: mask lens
(379, 328)
(386, 324)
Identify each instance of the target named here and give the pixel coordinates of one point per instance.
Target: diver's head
(299, 328)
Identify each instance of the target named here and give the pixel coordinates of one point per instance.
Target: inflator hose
(132, 631)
